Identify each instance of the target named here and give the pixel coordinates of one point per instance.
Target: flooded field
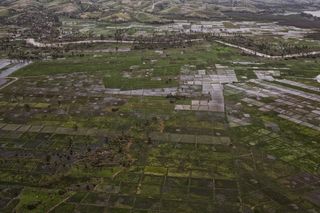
(314, 13)
(159, 106)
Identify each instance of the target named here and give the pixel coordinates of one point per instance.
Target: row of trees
(268, 46)
(20, 50)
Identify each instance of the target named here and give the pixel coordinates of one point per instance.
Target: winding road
(35, 43)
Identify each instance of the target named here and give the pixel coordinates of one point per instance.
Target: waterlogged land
(314, 13)
(205, 128)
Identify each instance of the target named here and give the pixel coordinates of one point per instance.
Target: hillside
(187, 8)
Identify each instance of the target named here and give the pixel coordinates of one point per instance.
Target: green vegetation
(141, 66)
(4, 12)
(68, 144)
(40, 200)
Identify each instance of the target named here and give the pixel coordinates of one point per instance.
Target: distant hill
(151, 10)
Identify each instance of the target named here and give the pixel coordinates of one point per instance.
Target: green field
(68, 146)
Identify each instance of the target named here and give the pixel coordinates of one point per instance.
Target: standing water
(12, 69)
(5, 73)
(315, 13)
